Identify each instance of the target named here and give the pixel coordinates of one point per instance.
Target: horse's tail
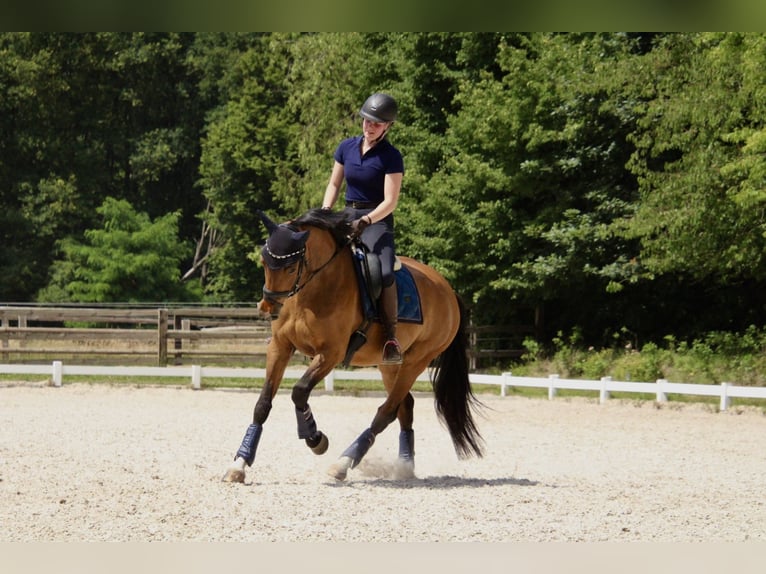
(453, 395)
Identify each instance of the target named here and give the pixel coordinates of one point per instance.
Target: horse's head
(285, 256)
(283, 259)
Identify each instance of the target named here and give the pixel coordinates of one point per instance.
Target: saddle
(370, 281)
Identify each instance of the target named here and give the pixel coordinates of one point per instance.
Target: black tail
(453, 394)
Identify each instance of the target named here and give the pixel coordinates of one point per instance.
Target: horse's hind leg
(353, 455)
(398, 382)
(405, 464)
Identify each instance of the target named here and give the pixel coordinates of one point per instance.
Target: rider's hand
(359, 225)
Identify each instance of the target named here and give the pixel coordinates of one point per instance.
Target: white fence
(196, 373)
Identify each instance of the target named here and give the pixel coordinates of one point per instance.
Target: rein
(273, 296)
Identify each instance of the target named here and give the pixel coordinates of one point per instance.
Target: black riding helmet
(379, 108)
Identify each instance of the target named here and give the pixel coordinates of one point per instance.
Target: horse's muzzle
(272, 301)
(270, 307)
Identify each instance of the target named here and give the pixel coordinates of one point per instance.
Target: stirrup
(392, 353)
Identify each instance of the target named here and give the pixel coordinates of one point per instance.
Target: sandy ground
(128, 463)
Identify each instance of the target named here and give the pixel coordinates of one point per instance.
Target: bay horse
(313, 296)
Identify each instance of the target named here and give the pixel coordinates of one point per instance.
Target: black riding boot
(389, 311)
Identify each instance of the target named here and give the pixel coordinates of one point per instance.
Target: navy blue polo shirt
(365, 175)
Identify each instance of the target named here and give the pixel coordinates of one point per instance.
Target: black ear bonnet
(284, 246)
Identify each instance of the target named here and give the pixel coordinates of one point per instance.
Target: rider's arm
(391, 189)
(333, 186)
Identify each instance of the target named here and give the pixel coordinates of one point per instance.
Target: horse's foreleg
(307, 426)
(246, 452)
(307, 430)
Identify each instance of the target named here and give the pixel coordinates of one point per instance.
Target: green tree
(613, 180)
(130, 258)
(533, 175)
(243, 158)
(700, 219)
(28, 233)
(86, 116)
(325, 95)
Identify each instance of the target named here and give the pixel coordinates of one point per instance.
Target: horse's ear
(270, 225)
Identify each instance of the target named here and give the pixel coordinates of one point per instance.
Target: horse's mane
(336, 222)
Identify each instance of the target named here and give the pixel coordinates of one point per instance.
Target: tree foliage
(614, 182)
(129, 258)
(90, 116)
(699, 158)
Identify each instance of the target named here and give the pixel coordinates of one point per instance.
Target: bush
(738, 358)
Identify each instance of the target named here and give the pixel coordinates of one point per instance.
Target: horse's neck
(331, 266)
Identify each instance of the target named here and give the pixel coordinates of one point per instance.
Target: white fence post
(726, 391)
(603, 394)
(504, 383)
(725, 400)
(196, 377)
(329, 381)
(662, 397)
(58, 373)
(551, 386)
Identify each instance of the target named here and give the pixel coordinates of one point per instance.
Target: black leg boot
(389, 312)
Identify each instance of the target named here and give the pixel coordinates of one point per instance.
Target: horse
(312, 294)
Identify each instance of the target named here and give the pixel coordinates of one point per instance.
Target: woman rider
(373, 169)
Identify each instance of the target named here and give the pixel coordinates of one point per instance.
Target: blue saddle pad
(408, 296)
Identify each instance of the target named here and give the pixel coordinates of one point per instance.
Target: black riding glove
(359, 225)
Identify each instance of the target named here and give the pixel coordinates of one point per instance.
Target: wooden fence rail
(143, 335)
(175, 335)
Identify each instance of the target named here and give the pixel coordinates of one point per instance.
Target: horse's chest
(303, 333)
(307, 335)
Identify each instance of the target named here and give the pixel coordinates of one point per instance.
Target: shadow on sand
(441, 482)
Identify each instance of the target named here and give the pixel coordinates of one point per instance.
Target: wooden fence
(176, 335)
(136, 335)
(496, 342)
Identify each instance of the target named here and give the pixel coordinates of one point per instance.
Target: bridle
(276, 298)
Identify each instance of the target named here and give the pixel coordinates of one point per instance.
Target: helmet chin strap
(379, 139)
(381, 136)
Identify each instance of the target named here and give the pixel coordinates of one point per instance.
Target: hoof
(321, 446)
(234, 475)
(404, 469)
(339, 470)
